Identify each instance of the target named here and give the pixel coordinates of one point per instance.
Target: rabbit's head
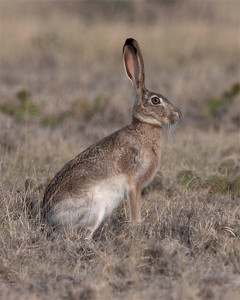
(148, 107)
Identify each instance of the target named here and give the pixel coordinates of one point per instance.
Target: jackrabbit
(89, 187)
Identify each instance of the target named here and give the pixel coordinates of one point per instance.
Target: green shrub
(227, 166)
(22, 109)
(50, 121)
(189, 180)
(215, 103)
(217, 183)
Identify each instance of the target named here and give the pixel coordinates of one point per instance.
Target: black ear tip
(129, 42)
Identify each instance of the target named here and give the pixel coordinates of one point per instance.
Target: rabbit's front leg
(134, 200)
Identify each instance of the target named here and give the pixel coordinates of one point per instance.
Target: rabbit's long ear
(133, 63)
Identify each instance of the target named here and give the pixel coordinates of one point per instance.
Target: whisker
(171, 132)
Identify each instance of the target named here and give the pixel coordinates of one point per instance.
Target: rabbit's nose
(178, 113)
(175, 116)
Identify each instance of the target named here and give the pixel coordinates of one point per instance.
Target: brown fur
(92, 165)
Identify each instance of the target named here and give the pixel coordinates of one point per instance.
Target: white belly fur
(92, 206)
(109, 193)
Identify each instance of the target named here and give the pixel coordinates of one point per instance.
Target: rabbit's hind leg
(79, 213)
(92, 220)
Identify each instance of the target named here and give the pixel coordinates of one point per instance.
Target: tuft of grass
(189, 180)
(234, 180)
(23, 108)
(23, 95)
(217, 183)
(227, 166)
(50, 121)
(216, 103)
(228, 181)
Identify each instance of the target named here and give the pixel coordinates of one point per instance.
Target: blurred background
(62, 76)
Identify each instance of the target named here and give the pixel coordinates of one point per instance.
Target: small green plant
(23, 109)
(217, 183)
(23, 95)
(234, 180)
(226, 181)
(189, 180)
(50, 121)
(215, 103)
(227, 166)
(234, 185)
(29, 184)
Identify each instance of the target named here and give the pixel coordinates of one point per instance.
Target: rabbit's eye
(155, 100)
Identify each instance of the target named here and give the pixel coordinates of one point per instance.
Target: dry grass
(67, 55)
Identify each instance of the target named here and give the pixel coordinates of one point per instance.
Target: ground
(62, 88)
